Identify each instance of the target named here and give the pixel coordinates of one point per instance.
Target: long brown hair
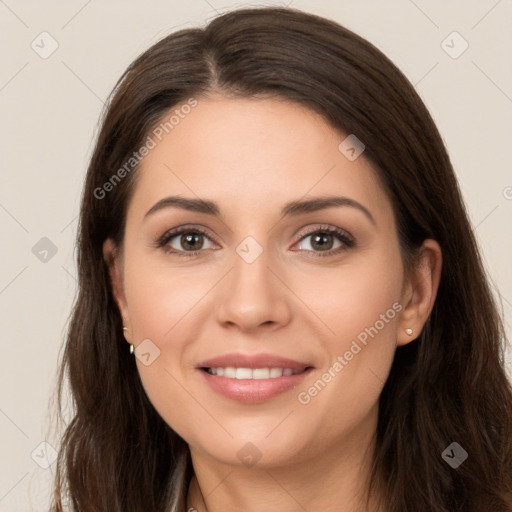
(117, 453)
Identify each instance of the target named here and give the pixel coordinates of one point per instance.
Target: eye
(190, 241)
(184, 241)
(326, 241)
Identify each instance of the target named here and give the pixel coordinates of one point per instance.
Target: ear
(419, 291)
(113, 259)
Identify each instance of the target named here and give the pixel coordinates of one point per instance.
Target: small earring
(125, 328)
(132, 348)
(408, 331)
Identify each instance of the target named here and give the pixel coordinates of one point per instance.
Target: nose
(253, 295)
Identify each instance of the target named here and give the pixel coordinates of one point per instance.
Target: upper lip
(252, 361)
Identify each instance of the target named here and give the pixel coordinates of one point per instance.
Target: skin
(252, 156)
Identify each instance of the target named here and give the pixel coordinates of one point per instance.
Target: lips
(253, 361)
(252, 379)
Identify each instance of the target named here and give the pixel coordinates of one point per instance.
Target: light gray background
(49, 109)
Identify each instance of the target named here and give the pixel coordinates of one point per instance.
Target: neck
(334, 480)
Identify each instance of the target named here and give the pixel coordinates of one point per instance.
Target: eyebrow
(293, 208)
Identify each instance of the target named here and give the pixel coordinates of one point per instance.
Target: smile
(252, 378)
(231, 372)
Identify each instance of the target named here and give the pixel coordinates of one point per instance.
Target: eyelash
(344, 237)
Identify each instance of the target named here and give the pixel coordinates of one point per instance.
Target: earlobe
(113, 260)
(421, 291)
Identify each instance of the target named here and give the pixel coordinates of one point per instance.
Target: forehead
(249, 153)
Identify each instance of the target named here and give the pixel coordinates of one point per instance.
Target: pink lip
(252, 390)
(253, 361)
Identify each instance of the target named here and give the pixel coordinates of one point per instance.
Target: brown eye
(322, 241)
(185, 241)
(329, 241)
(192, 241)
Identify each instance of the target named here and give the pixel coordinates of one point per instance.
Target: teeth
(261, 373)
(250, 373)
(276, 372)
(243, 373)
(230, 372)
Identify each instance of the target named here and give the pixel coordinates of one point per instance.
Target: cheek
(161, 298)
(164, 304)
(353, 297)
(360, 305)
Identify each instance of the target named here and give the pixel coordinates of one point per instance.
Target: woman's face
(266, 279)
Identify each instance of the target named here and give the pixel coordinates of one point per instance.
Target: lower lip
(253, 390)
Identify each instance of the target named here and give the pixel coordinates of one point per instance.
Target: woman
(281, 301)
